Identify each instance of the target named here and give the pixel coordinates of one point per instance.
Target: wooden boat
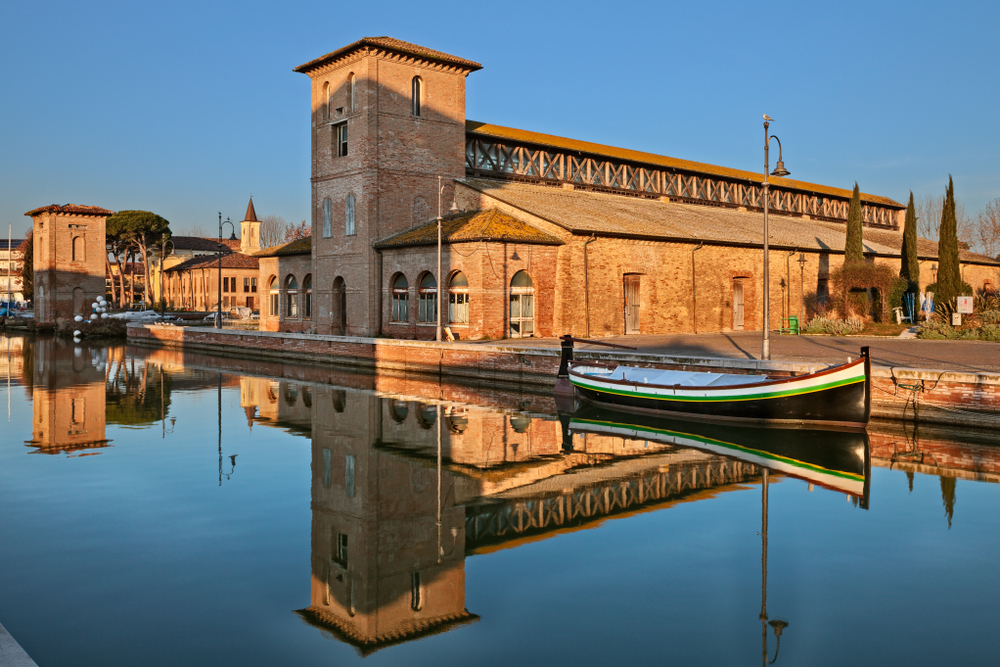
(839, 460)
(839, 396)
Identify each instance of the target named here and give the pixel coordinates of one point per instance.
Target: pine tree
(854, 251)
(949, 280)
(910, 266)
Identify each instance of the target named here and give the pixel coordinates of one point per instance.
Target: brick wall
(67, 283)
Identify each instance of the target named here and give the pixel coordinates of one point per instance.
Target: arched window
(349, 216)
(291, 297)
(307, 297)
(327, 102)
(427, 303)
(418, 95)
(272, 288)
(338, 310)
(327, 218)
(426, 415)
(79, 249)
(458, 299)
(400, 299)
(351, 90)
(522, 306)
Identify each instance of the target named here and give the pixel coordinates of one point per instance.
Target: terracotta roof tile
(301, 246)
(70, 208)
(472, 226)
(539, 139)
(233, 260)
(391, 44)
(585, 212)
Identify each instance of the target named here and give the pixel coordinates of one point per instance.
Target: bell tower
(250, 231)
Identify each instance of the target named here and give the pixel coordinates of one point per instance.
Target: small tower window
(418, 95)
(340, 132)
(327, 217)
(79, 249)
(307, 297)
(351, 90)
(327, 102)
(349, 216)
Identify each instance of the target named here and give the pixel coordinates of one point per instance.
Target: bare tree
(273, 230)
(988, 229)
(197, 229)
(929, 209)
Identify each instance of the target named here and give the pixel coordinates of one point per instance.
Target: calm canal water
(161, 508)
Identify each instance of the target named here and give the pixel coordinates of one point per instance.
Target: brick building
(191, 270)
(10, 268)
(69, 260)
(544, 235)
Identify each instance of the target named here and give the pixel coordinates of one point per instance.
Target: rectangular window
(427, 307)
(274, 305)
(253, 284)
(400, 306)
(340, 132)
(340, 551)
(349, 475)
(458, 308)
(327, 459)
(246, 285)
(225, 283)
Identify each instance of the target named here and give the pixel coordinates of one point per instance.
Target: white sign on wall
(964, 304)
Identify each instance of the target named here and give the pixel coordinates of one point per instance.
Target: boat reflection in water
(834, 459)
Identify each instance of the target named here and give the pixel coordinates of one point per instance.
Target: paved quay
(965, 356)
(11, 653)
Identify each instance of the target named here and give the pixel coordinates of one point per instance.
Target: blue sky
(185, 108)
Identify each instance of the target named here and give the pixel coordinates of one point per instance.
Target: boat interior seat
(681, 378)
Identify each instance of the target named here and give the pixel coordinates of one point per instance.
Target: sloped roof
(539, 139)
(11, 244)
(926, 249)
(251, 215)
(471, 226)
(201, 243)
(366, 645)
(391, 44)
(302, 246)
(585, 212)
(234, 260)
(70, 208)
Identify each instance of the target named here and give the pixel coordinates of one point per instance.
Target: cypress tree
(949, 280)
(910, 266)
(854, 251)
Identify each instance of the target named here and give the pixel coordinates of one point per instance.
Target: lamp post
(802, 285)
(163, 256)
(440, 305)
(779, 170)
(232, 237)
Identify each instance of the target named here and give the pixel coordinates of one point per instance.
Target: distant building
(191, 270)
(11, 287)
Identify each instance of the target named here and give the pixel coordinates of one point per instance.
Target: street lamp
(163, 256)
(802, 286)
(779, 170)
(232, 237)
(453, 209)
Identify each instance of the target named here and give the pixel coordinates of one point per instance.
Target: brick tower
(388, 118)
(69, 261)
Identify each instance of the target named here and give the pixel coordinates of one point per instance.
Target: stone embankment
(923, 395)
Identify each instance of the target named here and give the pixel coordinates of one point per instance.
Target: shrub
(850, 285)
(823, 325)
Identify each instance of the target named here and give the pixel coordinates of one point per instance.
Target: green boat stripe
(717, 399)
(731, 445)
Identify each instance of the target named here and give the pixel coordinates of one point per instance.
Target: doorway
(738, 304)
(632, 292)
(338, 309)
